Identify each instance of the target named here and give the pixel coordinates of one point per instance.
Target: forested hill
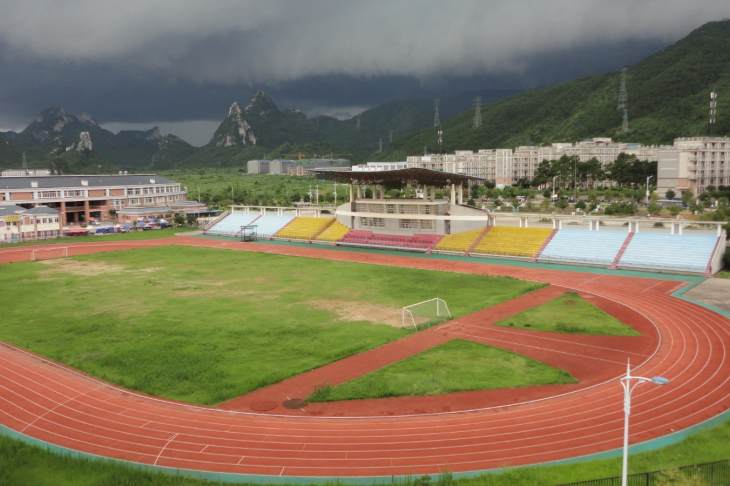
(668, 96)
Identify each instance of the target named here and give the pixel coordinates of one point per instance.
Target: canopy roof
(395, 178)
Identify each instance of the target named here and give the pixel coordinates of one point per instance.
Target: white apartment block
(691, 163)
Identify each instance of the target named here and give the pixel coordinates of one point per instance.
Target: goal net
(48, 253)
(426, 313)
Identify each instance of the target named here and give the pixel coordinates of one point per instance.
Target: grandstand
(419, 242)
(511, 241)
(334, 232)
(230, 225)
(459, 242)
(304, 227)
(661, 251)
(427, 223)
(583, 246)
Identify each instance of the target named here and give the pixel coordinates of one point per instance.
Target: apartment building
(81, 198)
(689, 164)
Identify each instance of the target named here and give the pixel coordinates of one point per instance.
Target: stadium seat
(368, 238)
(663, 251)
(231, 224)
(507, 240)
(583, 246)
(334, 232)
(304, 228)
(268, 224)
(459, 242)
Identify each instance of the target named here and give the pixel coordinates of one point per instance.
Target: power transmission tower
(436, 117)
(713, 111)
(440, 138)
(623, 101)
(25, 164)
(425, 150)
(390, 136)
(357, 123)
(477, 112)
(380, 145)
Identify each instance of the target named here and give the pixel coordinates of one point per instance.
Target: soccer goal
(48, 253)
(425, 313)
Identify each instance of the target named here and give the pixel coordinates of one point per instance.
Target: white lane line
(172, 437)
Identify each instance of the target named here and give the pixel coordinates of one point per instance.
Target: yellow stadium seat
(459, 242)
(505, 240)
(304, 228)
(334, 232)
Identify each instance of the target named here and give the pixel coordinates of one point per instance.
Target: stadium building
(439, 221)
(81, 198)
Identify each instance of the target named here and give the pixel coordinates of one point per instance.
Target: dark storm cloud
(138, 60)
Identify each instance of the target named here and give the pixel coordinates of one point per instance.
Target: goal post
(426, 313)
(48, 253)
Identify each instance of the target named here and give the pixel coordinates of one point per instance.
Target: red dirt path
(55, 404)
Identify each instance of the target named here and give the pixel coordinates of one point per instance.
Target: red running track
(58, 405)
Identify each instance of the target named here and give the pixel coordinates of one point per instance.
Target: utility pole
(623, 102)
(713, 111)
(436, 116)
(477, 112)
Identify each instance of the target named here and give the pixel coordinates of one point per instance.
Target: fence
(708, 474)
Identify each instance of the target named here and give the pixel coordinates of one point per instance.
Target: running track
(63, 407)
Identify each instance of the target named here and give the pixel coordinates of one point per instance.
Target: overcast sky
(140, 61)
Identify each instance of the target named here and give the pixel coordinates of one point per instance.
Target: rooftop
(62, 181)
(396, 178)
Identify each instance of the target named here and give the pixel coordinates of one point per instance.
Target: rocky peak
(85, 144)
(154, 134)
(235, 129)
(234, 109)
(260, 104)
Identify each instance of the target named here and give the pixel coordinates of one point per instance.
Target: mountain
(261, 129)
(74, 143)
(668, 95)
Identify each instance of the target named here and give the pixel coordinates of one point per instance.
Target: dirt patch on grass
(360, 311)
(82, 268)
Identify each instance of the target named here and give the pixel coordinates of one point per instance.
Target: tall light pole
(628, 386)
(554, 193)
(647, 188)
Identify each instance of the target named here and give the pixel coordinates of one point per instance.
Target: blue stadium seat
(231, 224)
(268, 224)
(663, 251)
(583, 246)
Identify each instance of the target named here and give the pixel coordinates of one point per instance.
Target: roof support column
(87, 214)
(461, 193)
(453, 194)
(63, 213)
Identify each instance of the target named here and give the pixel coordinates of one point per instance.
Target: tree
(669, 194)
(687, 196)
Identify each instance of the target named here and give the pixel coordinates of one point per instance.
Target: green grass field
(451, 367)
(723, 274)
(205, 325)
(572, 314)
(22, 464)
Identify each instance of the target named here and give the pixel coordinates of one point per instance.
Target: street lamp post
(628, 386)
(555, 194)
(647, 188)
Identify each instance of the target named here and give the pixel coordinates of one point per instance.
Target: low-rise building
(20, 224)
(82, 198)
